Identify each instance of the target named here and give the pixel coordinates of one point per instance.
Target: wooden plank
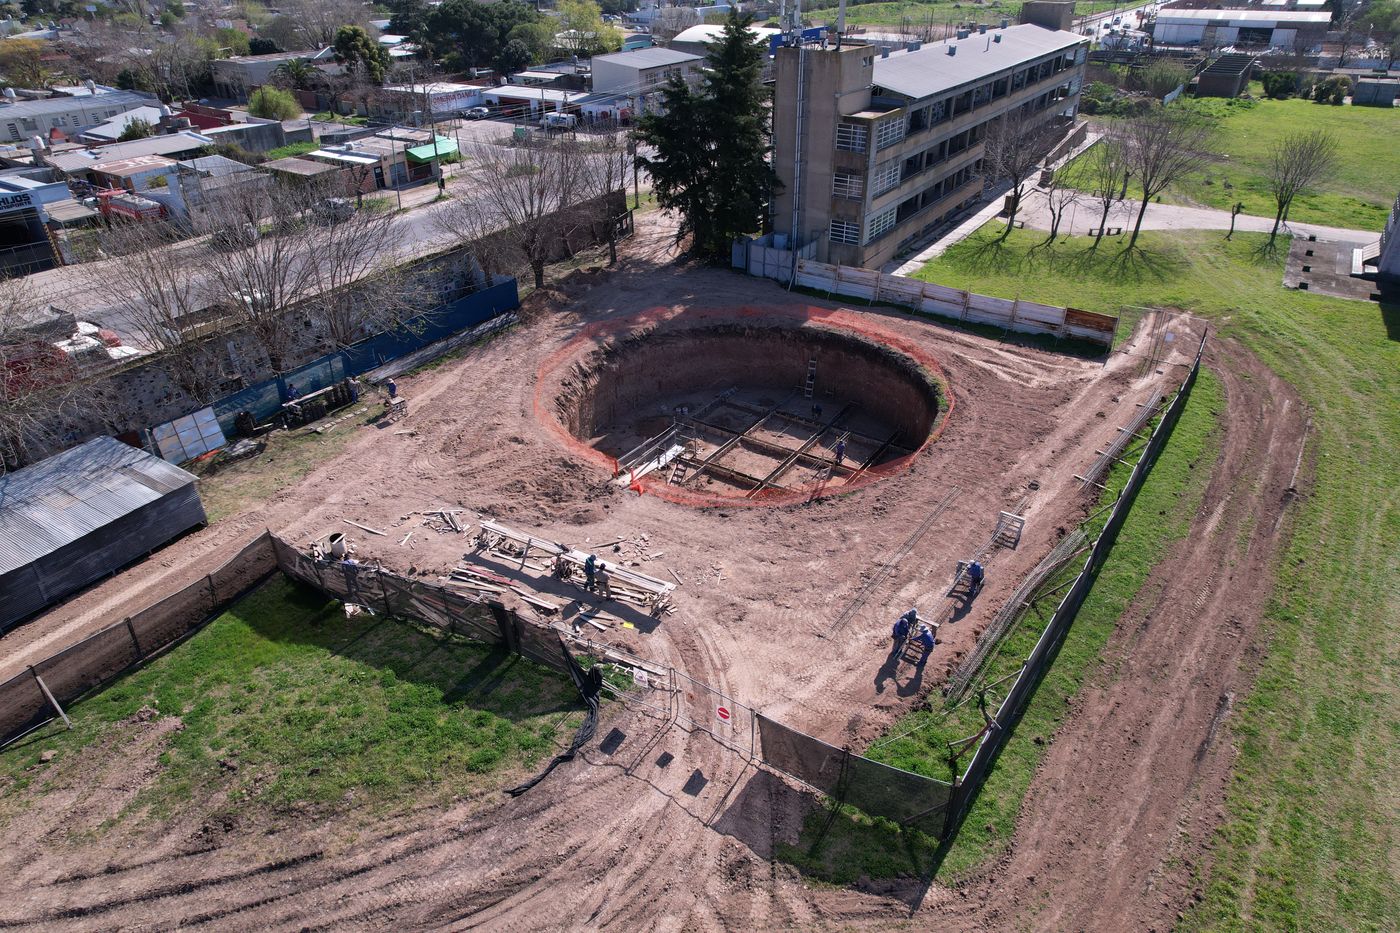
(373, 531)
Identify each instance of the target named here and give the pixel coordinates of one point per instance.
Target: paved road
(1084, 217)
(86, 290)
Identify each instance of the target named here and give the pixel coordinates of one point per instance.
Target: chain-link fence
(38, 695)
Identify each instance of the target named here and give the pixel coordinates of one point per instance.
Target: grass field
(1359, 196)
(314, 708)
(1309, 840)
(856, 845)
(1310, 835)
(917, 13)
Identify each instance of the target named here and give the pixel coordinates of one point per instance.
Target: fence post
(213, 594)
(379, 575)
(753, 734)
(134, 640)
(45, 687)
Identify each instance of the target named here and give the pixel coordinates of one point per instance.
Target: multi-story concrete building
(874, 148)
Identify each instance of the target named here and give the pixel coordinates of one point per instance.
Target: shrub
(136, 128)
(272, 104)
(1281, 85)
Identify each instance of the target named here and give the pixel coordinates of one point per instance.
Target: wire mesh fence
(106, 654)
(1012, 706)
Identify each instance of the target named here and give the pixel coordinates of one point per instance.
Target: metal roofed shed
(83, 514)
(442, 148)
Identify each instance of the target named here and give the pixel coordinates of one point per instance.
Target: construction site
(766, 481)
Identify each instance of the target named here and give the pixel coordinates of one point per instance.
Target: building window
(888, 132)
(847, 185)
(851, 137)
(880, 224)
(886, 176)
(845, 231)
(937, 111)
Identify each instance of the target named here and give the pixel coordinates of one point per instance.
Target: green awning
(443, 148)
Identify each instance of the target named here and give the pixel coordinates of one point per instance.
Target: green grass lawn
(1309, 840)
(292, 149)
(1359, 196)
(855, 845)
(917, 13)
(313, 707)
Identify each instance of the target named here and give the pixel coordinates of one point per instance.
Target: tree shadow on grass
(487, 677)
(992, 255)
(1132, 265)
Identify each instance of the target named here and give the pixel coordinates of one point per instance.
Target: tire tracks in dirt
(1116, 826)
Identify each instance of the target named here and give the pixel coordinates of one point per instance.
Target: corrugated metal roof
(59, 500)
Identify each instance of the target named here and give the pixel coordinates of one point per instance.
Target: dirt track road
(633, 840)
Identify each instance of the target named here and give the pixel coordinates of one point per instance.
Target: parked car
(558, 121)
(329, 211)
(476, 113)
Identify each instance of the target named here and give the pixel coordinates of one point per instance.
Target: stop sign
(722, 713)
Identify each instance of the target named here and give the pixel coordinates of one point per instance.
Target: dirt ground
(632, 838)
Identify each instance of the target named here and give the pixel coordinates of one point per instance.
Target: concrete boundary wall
(875, 287)
(969, 307)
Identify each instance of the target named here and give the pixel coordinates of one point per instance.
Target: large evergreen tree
(712, 142)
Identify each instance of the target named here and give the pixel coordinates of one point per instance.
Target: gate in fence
(700, 706)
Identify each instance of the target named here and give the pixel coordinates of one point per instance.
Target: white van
(558, 121)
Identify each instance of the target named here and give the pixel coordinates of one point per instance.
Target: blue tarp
(265, 399)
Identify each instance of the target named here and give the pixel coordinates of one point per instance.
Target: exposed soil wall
(621, 379)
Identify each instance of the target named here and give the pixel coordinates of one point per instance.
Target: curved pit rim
(596, 333)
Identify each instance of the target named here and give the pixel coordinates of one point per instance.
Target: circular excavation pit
(745, 411)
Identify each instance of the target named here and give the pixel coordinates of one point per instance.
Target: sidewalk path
(1084, 217)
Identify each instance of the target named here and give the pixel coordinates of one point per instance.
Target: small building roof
(304, 168)
(347, 156)
(931, 70)
(79, 160)
(710, 32)
(68, 211)
(654, 57)
(51, 105)
(112, 129)
(125, 168)
(215, 166)
(1255, 17)
(528, 92)
(57, 501)
(273, 56)
(442, 148)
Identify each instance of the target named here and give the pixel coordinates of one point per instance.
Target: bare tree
(41, 386)
(1161, 147)
(603, 172)
(1296, 162)
(356, 287)
(166, 305)
(517, 216)
(261, 265)
(1106, 176)
(671, 21)
(1059, 197)
(1014, 145)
